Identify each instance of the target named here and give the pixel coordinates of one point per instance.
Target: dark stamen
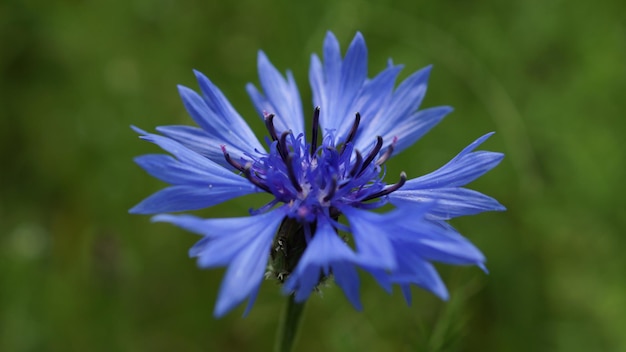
(292, 174)
(229, 160)
(373, 153)
(282, 145)
(357, 164)
(355, 127)
(333, 189)
(387, 153)
(389, 189)
(254, 181)
(314, 129)
(269, 124)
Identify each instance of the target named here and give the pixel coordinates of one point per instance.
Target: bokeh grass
(77, 273)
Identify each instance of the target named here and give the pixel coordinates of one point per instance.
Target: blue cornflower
(316, 178)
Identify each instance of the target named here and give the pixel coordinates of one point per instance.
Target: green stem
(288, 328)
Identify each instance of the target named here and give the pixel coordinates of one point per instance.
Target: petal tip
(162, 218)
(262, 56)
(358, 37)
(138, 209)
(483, 267)
(138, 130)
(499, 207)
(201, 78)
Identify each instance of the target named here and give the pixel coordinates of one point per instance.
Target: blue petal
(444, 246)
(444, 185)
(303, 282)
(325, 81)
(461, 170)
(451, 252)
(332, 64)
(281, 97)
(375, 93)
(170, 170)
(217, 117)
(241, 243)
(190, 223)
(400, 118)
(261, 104)
(251, 300)
(417, 271)
(199, 182)
(408, 97)
(347, 278)
(199, 247)
(325, 252)
(451, 202)
(182, 198)
(199, 141)
(336, 84)
(371, 237)
(406, 292)
(414, 127)
(245, 273)
(431, 240)
(353, 75)
(381, 277)
(316, 78)
(414, 242)
(187, 156)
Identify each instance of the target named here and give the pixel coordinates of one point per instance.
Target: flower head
(314, 177)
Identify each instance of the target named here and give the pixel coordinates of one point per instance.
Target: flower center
(313, 179)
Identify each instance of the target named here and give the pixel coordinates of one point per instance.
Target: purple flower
(315, 177)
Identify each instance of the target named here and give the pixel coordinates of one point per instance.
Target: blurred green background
(78, 273)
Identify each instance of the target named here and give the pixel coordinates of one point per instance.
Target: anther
(373, 153)
(254, 181)
(389, 189)
(269, 124)
(387, 153)
(229, 160)
(355, 127)
(315, 129)
(292, 174)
